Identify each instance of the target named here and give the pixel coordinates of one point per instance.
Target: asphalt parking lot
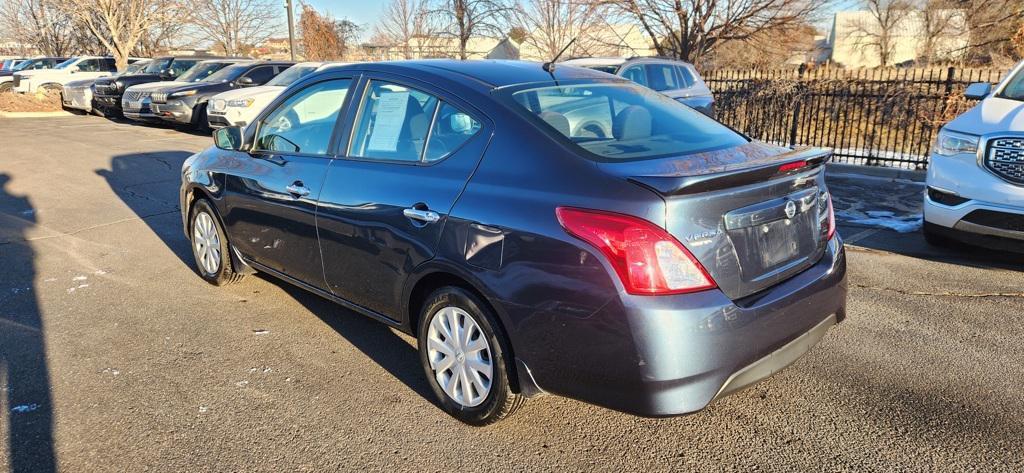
(115, 356)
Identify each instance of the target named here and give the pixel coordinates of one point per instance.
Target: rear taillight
(648, 260)
(828, 216)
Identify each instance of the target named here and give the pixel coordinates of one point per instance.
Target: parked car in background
(186, 104)
(109, 91)
(82, 67)
(136, 102)
(239, 106)
(975, 176)
(653, 270)
(674, 78)
(78, 95)
(10, 64)
(7, 77)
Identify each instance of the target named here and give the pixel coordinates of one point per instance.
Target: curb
(35, 114)
(877, 172)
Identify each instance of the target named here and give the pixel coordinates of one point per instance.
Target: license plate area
(775, 236)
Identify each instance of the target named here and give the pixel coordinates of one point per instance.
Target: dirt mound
(38, 102)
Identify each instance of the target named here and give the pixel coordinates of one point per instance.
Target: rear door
(386, 199)
(271, 196)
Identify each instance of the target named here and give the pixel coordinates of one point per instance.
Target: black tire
(199, 120)
(6, 86)
(500, 401)
(224, 273)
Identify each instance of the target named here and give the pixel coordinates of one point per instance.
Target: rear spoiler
(794, 162)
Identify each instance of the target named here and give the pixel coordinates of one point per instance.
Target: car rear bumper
(684, 352)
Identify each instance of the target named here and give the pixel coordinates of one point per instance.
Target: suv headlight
(244, 103)
(178, 95)
(950, 143)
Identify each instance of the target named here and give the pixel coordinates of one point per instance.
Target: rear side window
(686, 76)
(624, 122)
(635, 74)
(398, 123)
(661, 77)
(261, 75)
(304, 123)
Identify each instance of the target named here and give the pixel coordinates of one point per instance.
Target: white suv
(76, 68)
(240, 106)
(976, 177)
(676, 79)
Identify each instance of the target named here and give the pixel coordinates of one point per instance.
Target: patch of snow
(885, 220)
(24, 408)
(203, 409)
(260, 331)
(79, 278)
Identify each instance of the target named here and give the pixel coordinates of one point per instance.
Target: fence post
(949, 81)
(796, 106)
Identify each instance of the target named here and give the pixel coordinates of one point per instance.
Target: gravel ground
(115, 356)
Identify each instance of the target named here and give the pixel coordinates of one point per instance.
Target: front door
(272, 195)
(386, 199)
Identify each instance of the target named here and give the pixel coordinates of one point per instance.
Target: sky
(366, 12)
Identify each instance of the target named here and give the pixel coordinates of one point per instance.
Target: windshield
(201, 71)
(1014, 89)
(291, 75)
(67, 63)
(228, 73)
(624, 121)
(134, 68)
(158, 65)
(611, 69)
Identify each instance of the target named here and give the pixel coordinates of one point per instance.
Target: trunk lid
(753, 215)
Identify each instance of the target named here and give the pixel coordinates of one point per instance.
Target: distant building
(853, 41)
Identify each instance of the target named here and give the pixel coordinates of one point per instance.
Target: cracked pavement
(115, 356)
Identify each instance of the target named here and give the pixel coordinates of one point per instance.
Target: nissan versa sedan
(564, 231)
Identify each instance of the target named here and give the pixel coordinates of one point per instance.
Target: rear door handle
(427, 216)
(297, 189)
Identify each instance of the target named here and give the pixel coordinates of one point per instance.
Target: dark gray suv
(563, 232)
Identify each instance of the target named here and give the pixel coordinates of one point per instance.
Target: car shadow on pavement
(914, 245)
(380, 343)
(24, 375)
(148, 183)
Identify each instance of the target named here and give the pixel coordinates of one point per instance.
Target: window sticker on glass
(390, 117)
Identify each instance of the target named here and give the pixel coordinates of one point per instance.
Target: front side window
(89, 65)
(1014, 89)
(624, 122)
(261, 75)
(304, 123)
(178, 67)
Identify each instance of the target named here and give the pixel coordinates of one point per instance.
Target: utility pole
(291, 28)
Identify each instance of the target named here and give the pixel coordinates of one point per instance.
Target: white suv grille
(1005, 158)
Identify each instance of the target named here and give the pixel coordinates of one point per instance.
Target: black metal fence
(877, 117)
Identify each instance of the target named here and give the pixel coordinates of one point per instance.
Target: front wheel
(6, 86)
(464, 356)
(210, 246)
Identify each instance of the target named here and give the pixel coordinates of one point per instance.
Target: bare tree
(41, 24)
(991, 24)
(235, 25)
(120, 24)
(320, 41)
(463, 20)
(883, 22)
(690, 29)
(549, 25)
(403, 21)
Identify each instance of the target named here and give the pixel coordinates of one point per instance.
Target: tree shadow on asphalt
(24, 375)
(914, 245)
(149, 183)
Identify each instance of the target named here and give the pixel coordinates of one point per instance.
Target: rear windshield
(624, 121)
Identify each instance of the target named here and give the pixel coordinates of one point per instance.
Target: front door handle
(297, 189)
(426, 216)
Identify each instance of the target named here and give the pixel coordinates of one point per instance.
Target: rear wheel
(464, 356)
(210, 246)
(6, 86)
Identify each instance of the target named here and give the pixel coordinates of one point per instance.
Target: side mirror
(246, 82)
(978, 90)
(229, 138)
(165, 74)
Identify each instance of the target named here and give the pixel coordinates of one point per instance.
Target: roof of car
(617, 61)
(490, 72)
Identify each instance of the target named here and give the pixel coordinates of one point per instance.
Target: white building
(855, 37)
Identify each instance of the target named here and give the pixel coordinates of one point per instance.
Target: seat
(557, 121)
(631, 123)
